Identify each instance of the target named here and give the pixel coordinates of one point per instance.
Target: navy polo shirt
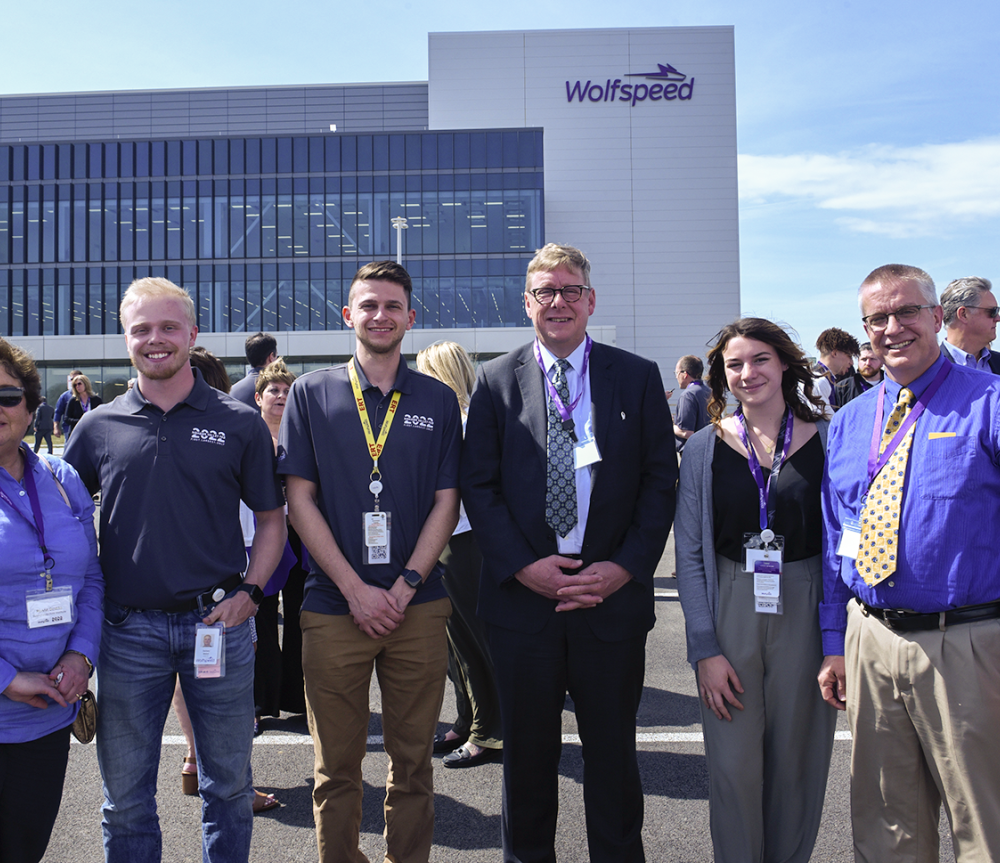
(322, 440)
(171, 485)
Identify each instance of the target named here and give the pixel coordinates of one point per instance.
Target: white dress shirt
(572, 543)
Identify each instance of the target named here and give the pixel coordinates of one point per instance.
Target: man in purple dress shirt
(921, 681)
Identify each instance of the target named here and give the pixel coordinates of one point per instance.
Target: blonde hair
(154, 287)
(552, 256)
(86, 386)
(450, 364)
(274, 372)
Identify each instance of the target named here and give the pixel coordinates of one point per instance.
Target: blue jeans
(141, 653)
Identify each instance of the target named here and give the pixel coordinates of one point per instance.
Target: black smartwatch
(413, 578)
(256, 594)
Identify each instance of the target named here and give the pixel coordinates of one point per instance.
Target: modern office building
(263, 202)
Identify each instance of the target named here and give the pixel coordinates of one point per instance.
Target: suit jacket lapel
(602, 387)
(533, 400)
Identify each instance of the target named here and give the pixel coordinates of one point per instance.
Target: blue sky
(869, 133)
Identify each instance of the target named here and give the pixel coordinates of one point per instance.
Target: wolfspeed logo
(417, 422)
(208, 436)
(670, 85)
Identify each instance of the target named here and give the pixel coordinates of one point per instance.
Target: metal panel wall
(217, 111)
(647, 189)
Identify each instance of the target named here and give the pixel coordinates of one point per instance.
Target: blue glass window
(328, 214)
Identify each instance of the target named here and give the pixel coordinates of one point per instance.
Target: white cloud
(898, 192)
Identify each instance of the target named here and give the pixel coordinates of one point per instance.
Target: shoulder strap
(59, 485)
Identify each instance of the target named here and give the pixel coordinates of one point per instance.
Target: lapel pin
(623, 414)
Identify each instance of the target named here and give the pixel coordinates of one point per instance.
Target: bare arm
(265, 555)
(375, 611)
(434, 536)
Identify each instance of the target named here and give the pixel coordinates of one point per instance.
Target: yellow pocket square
(936, 435)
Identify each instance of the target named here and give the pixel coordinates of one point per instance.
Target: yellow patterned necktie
(880, 521)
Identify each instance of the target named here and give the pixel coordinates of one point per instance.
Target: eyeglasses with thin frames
(10, 397)
(904, 315)
(570, 293)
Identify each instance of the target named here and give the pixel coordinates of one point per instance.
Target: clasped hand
(64, 684)
(572, 590)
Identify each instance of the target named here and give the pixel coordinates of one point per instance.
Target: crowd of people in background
(501, 526)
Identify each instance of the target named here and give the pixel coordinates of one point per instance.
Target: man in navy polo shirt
(370, 452)
(173, 458)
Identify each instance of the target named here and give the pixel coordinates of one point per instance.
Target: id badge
(850, 539)
(586, 453)
(50, 607)
(210, 650)
(377, 531)
(756, 549)
(767, 587)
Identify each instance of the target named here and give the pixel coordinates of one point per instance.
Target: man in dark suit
(970, 319)
(568, 477)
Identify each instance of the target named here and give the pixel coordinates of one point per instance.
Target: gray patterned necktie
(560, 489)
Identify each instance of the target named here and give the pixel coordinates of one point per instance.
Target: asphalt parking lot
(467, 830)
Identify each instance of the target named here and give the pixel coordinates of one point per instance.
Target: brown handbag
(85, 724)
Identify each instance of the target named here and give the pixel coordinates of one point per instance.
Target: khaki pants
(411, 662)
(924, 709)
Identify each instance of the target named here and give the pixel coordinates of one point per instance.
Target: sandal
(263, 802)
(189, 776)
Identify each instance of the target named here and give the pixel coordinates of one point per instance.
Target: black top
(75, 411)
(797, 517)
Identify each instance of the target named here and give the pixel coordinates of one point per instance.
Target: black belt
(901, 620)
(207, 598)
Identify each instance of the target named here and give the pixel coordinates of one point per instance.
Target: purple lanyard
(565, 413)
(36, 511)
(875, 461)
(785, 440)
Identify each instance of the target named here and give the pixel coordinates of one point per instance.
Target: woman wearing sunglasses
(83, 400)
(51, 598)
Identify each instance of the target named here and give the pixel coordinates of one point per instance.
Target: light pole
(399, 223)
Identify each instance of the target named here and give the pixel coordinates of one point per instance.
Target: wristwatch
(413, 578)
(256, 594)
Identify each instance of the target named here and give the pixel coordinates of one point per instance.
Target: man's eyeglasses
(904, 315)
(10, 397)
(991, 311)
(547, 296)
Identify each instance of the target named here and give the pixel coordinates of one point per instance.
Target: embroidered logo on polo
(414, 421)
(208, 436)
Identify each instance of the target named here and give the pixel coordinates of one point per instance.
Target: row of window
(308, 295)
(220, 219)
(272, 155)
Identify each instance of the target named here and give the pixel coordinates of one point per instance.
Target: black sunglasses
(10, 397)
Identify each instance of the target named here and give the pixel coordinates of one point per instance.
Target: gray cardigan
(694, 543)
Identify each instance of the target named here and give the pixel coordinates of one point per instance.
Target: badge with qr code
(377, 529)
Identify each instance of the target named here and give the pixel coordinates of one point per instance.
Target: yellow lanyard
(374, 447)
